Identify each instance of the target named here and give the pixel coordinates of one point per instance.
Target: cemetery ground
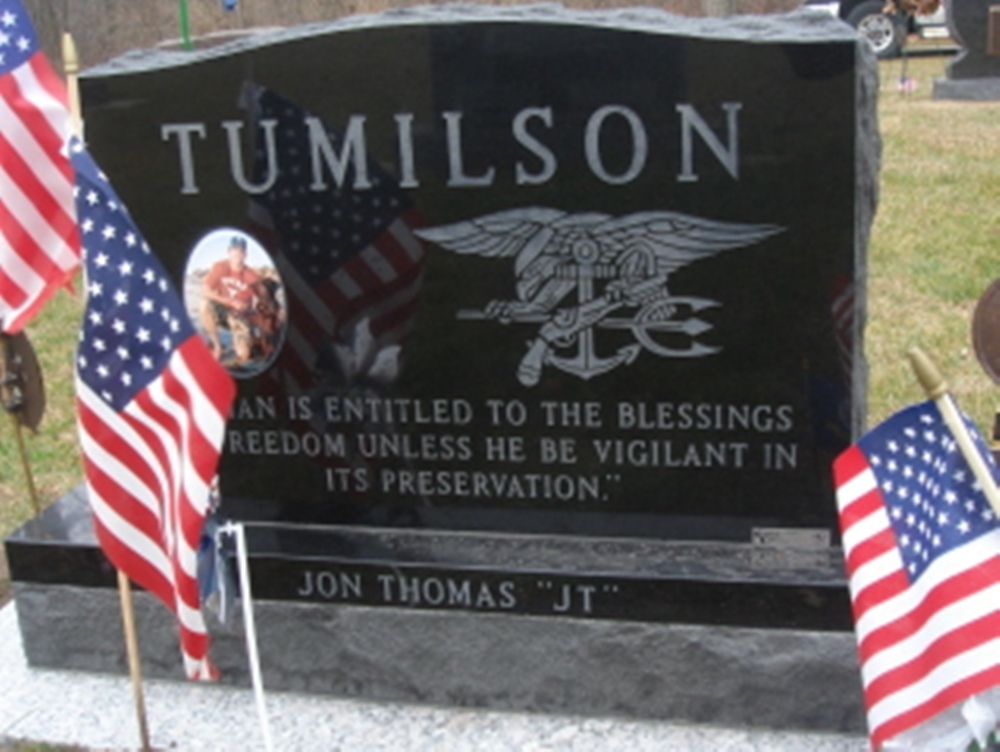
(935, 248)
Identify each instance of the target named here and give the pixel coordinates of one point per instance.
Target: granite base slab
(968, 89)
(725, 674)
(95, 711)
(777, 679)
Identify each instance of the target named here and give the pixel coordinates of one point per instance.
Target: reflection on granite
(66, 521)
(59, 546)
(556, 554)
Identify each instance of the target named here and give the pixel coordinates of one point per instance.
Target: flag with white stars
(346, 248)
(152, 404)
(39, 244)
(922, 548)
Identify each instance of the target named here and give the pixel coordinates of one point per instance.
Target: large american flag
(152, 404)
(351, 264)
(922, 548)
(39, 243)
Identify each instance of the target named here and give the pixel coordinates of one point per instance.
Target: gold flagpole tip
(71, 65)
(927, 373)
(71, 62)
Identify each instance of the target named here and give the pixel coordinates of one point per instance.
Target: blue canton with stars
(932, 498)
(320, 230)
(134, 319)
(17, 36)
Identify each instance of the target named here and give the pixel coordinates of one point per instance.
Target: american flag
(152, 404)
(842, 305)
(39, 242)
(350, 261)
(922, 548)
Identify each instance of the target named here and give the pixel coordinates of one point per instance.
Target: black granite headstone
(554, 278)
(974, 74)
(561, 317)
(539, 277)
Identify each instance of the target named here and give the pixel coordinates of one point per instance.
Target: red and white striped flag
(356, 268)
(922, 547)
(152, 405)
(39, 240)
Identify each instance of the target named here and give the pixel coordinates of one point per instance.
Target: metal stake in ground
(22, 397)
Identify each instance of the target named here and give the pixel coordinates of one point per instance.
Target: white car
(885, 24)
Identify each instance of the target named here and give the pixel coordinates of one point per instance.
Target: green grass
(52, 452)
(935, 248)
(935, 245)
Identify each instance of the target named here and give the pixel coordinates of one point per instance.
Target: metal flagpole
(249, 627)
(937, 389)
(71, 66)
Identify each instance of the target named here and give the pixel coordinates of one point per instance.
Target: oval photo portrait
(236, 300)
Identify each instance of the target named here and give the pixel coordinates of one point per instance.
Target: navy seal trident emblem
(618, 269)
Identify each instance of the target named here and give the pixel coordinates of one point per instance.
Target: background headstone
(975, 72)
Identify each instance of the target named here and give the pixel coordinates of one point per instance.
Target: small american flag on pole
(152, 404)
(39, 242)
(922, 547)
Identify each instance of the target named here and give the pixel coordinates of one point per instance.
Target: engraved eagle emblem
(615, 265)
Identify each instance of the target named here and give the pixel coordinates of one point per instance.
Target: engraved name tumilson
(531, 128)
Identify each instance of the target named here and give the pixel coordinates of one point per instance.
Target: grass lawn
(936, 242)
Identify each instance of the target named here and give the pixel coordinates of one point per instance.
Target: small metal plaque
(986, 330)
(810, 539)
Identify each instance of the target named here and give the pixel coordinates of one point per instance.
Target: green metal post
(185, 26)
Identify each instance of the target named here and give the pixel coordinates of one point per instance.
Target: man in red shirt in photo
(229, 294)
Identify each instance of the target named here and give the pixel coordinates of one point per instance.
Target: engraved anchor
(631, 256)
(576, 324)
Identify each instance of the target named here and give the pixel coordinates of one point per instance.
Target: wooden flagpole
(937, 389)
(134, 663)
(71, 66)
